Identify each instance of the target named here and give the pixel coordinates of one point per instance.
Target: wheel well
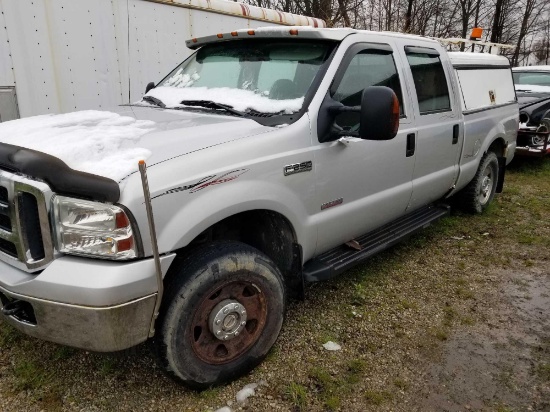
(266, 230)
(498, 147)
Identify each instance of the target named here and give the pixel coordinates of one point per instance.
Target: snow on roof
(532, 69)
(97, 142)
(477, 59)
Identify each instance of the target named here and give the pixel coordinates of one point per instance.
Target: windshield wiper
(209, 104)
(154, 100)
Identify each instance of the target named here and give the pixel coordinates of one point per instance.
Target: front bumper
(89, 304)
(106, 329)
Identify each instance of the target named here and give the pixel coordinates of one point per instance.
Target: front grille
(25, 238)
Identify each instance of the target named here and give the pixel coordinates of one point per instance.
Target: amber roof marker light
(477, 33)
(293, 32)
(251, 32)
(234, 33)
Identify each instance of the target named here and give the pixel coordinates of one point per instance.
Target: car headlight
(96, 229)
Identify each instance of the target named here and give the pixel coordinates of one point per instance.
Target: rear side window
(366, 68)
(430, 82)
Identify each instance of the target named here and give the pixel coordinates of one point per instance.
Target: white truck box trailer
(59, 56)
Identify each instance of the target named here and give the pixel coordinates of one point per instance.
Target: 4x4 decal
(206, 182)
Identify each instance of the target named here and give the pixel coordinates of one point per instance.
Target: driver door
(363, 184)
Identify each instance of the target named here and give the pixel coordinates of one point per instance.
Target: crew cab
(270, 157)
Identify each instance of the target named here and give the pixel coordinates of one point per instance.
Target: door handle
(455, 133)
(411, 144)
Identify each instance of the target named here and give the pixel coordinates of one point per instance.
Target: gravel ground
(455, 319)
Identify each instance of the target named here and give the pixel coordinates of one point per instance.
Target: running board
(341, 258)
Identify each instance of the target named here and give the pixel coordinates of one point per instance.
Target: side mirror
(150, 85)
(379, 114)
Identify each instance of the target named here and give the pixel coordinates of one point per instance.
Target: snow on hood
(102, 143)
(239, 99)
(110, 144)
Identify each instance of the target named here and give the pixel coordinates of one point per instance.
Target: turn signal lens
(395, 114)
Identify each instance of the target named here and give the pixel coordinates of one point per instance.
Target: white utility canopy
(485, 79)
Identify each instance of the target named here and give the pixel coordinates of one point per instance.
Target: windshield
(248, 75)
(534, 78)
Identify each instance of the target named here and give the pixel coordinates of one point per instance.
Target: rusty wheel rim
(214, 349)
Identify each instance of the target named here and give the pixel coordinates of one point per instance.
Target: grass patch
(63, 353)
(378, 397)
(543, 371)
(209, 394)
(464, 293)
(296, 395)
(332, 403)
(401, 384)
(440, 334)
(9, 336)
(30, 376)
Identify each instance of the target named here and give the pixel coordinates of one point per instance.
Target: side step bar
(341, 258)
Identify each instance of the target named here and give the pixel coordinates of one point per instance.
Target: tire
(205, 297)
(479, 193)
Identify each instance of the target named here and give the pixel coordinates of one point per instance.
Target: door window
(367, 68)
(432, 91)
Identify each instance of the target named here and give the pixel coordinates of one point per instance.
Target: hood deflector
(60, 177)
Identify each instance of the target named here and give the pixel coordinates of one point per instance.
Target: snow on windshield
(239, 99)
(101, 143)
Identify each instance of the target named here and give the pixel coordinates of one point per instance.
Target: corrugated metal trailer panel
(81, 54)
(6, 63)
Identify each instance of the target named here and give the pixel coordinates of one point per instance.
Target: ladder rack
(492, 48)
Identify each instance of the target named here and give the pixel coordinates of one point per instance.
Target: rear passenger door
(439, 129)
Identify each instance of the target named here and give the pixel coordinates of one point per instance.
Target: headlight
(95, 229)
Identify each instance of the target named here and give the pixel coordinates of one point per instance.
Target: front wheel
(223, 311)
(479, 193)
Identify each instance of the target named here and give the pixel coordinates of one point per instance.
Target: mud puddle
(503, 363)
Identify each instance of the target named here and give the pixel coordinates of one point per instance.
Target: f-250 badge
(206, 182)
(298, 168)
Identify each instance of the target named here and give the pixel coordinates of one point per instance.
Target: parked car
(532, 79)
(274, 157)
(532, 85)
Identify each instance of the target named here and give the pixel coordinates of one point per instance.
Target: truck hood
(179, 132)
(110, 143)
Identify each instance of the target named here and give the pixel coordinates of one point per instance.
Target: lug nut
(225, 311)
(218, 322)
(243, 323)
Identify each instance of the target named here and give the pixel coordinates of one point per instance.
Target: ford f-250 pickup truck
(273, 157)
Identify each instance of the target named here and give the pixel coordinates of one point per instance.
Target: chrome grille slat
(27, 244)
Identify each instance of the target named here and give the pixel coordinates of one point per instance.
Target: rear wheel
(479, 193)
(223, 311)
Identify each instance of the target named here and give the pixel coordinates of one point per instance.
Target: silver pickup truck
(274, 157)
